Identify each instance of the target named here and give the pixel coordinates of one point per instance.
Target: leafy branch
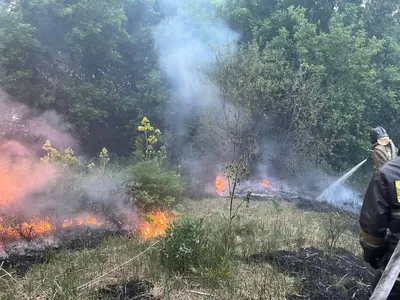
(235, 173)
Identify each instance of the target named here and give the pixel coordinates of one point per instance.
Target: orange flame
(266, 183)
(155, 225)
(37, 227)
(29, 229)
(220, 185)
(78, 221)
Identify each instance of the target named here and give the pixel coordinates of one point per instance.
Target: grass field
(251, 271)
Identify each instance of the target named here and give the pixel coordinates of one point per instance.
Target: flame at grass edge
(155, 224)
(220, 185)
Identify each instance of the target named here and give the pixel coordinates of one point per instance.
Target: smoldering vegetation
(42, 195)
(192, 47)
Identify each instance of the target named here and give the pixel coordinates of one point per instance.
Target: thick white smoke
(186, 41)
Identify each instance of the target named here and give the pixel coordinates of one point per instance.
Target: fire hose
(393, 150)
(116, 268)
(389, 277)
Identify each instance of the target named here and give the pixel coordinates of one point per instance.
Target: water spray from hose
(326, 193)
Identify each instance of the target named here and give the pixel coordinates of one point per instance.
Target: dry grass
(262, 227)
(280, 225)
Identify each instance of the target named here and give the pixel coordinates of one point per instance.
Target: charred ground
(319, 272)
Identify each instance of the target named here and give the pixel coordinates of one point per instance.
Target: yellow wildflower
(145, 121)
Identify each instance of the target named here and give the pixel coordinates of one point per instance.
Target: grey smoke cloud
(34, 188)
(184, 42)
(20, 123)
(52, 126)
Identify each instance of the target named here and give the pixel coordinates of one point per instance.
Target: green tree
(92, 61)
(323, 85)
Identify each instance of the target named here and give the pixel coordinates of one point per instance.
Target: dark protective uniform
(380, 218)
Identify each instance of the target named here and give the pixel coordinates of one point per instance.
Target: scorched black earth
(138, 290)
(338, 276)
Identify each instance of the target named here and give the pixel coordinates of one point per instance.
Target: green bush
(182, 247)
(154, 186)
(189, 246)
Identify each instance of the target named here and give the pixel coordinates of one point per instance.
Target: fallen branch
(116, 268)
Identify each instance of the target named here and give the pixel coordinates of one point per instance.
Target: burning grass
(155, 224)
(18, 229)
(35, 227)
(275, 229)
(220, 185)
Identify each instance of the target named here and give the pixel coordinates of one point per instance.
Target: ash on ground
(336, 276)
(308, 202)
(137, 289)
(310, 199)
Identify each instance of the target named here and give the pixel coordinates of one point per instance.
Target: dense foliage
(318, 73)
(326, 71)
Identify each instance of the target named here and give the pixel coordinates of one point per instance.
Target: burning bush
(55, 193)
(42, 197)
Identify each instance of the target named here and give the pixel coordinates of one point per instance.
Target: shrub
(335, 225)
(182, 246)
(190, 246)
(154, 186)
(65, 158)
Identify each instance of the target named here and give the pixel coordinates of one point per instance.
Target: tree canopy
(317, 74)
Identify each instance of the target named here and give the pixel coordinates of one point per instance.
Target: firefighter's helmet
(377, 133)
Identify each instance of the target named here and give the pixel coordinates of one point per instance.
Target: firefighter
(383, 148)
(380, 219)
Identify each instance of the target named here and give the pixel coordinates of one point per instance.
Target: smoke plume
(33, 189)
(186, 41)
